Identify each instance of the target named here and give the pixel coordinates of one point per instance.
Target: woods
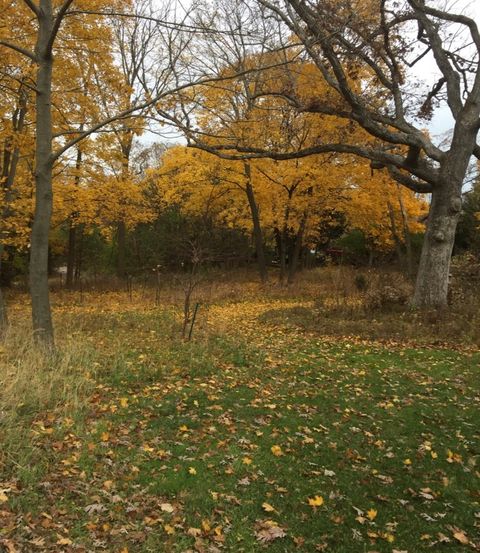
(348, 95)
(239, 268)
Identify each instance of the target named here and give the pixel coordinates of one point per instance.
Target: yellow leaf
(267, 507)
(433, 454)
(123, 402)
(170, 530)
(105, 436)
(183, 428)
(3, 497)
(206, 525)
(276, 450)
(247, 461)
(407, 462)
(108, 484)
(316, 501)
(192, 470)
(371, 514)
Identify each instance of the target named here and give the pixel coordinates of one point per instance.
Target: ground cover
(256, 435)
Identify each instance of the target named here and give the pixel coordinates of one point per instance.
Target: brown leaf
(270, 533)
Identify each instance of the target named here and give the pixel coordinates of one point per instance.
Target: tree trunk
(3, 306)
(79, 236)
(11, 157)
(257, 228)
(293, 261)
(393, 228)
(72, 232)
(282, 254)
(431, 289)
(41, 311)
(121, 250)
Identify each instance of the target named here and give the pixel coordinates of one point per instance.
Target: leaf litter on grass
(190, 446)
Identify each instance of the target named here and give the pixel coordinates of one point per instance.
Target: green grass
(362, 426)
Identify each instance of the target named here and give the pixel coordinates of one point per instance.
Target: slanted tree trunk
(41, 312)
(257, 228)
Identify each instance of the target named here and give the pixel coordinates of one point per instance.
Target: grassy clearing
(255, 436)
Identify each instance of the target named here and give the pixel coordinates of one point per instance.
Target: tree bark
(257, 228)
(431, 289)
(41, 311)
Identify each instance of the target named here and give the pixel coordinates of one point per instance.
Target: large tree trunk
(433, 273)
(431, 290)
(41, 312)
(257, 228)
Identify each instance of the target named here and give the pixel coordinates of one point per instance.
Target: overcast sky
(442, 121)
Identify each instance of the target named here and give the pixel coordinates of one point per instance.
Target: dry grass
(34, 382)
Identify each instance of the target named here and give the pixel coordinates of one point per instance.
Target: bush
(388, 291)
(361, 282)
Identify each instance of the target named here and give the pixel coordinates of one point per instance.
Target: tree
(368, 35)
(366, 52)
(51, 22)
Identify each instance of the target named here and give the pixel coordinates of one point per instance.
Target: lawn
(254, 436)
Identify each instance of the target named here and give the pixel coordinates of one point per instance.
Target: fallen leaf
(371, 514)
(316, 501)
(276, 450)
(167, 507)
(267, 507)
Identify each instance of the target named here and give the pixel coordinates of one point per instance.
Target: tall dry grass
(34, 383)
